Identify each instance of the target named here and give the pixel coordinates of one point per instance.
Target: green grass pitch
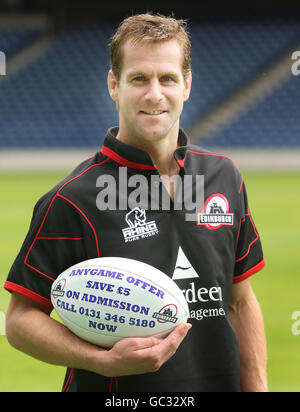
(274, 200)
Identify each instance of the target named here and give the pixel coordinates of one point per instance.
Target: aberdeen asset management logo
(215, 213)
(138, 227)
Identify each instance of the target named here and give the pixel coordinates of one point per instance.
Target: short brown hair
(151, 28)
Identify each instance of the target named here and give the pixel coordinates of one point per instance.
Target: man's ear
(187, 86)
(112, 85)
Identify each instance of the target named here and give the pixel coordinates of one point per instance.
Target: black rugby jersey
(204, 255)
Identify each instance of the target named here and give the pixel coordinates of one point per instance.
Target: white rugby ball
(106, 299)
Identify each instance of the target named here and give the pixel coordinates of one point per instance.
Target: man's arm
(30, 329)
(247, 321)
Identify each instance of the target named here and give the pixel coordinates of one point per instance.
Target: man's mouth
(153, 112)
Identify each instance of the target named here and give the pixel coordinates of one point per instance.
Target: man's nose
(154, 91)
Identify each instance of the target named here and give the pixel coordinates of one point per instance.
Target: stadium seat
(12, 40)
(272, 122)
(61, 98)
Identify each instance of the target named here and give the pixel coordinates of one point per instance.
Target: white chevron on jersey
(183, 268)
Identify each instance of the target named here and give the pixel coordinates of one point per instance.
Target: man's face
(151, 90)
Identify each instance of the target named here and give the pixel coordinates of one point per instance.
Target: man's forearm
(45, 339)
(248, 324)
(30, 329)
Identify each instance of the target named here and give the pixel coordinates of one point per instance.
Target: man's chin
(153, 134)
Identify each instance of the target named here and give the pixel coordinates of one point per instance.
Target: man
(209, 257)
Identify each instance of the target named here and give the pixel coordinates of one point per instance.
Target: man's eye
(139, 78)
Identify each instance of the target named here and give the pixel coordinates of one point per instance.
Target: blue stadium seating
(227, 53)
(272, 122)
(12, 40)
(61, 99)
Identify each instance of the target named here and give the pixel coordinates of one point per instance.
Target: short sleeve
(249, 253)
(53, 243)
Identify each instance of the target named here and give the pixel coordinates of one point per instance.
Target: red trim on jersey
(14, 287)
(180, 162)
(119, 159)
(36, 236)
(59, 238)
(41, 273)
(47, 212)
(253, 241)
(241, 186)
(69, 380)
(89, 222)
(239, 231)
(213, 154)
(220, 155)
(250, 272)
(111, 383)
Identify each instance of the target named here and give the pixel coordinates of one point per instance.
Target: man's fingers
(136, 344)
(170, 344)
(132, 356)
(180, 332)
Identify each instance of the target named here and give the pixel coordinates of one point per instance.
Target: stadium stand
(13, 40)
(272, 122)
(60, 99)
(227, 54)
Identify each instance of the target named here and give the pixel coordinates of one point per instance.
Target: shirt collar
(135, 158)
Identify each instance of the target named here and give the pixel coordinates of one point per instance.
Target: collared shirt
(114, 204)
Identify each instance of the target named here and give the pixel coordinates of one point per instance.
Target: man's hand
(29, 328)
(133, 356)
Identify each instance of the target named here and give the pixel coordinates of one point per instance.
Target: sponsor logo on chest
(195, 296)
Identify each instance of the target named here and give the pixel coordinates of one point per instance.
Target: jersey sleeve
(249, 253)
(53, 243)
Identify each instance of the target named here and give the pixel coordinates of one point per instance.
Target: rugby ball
(106, 299)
